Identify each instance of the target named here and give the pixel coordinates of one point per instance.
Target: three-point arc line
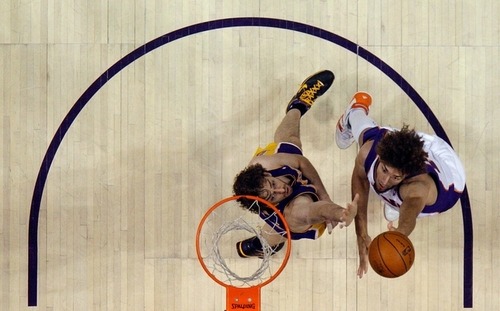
(213, 25)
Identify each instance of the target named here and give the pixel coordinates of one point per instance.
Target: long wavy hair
(403, 150)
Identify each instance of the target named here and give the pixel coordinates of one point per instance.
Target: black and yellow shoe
(312, 88)
(252, 247)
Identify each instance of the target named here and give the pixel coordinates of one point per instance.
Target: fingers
(363, 245)
(348, 216)
(390, 226)
(349, 213)
(362, 270)
(354, 203)
(329, 227)
(356, 198)
(360, 273)
(363, 263)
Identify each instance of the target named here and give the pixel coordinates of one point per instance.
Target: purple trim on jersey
(298, 188)
(375, 134)
(285, 147)
(446, 198)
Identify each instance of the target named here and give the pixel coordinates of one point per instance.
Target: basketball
(391, 254)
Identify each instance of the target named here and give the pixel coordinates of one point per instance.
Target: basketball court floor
(113, 148)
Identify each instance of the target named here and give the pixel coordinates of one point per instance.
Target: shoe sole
(360, 100)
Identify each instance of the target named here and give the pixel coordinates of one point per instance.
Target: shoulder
(419, 186)
(365, 149)
(363, 154)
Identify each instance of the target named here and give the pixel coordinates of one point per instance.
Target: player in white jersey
(415, 174)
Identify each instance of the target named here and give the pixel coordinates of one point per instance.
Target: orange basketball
(391, 254)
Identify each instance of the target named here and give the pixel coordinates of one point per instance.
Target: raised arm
(302, 213)
(298, 162)
(308, 170)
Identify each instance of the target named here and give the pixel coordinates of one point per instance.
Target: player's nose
(385, 180)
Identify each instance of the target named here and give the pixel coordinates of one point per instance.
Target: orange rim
(215, 206)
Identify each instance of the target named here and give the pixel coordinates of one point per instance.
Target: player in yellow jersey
(281, 174)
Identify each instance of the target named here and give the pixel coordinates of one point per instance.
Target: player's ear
(267, 174)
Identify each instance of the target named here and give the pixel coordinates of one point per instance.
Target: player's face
(387, 177)
(275, 190)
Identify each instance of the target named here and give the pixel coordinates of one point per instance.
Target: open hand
(350, 212)
(363, 245)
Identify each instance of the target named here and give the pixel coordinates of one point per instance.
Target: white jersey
(443, 165)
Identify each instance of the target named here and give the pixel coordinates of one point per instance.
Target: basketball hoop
(227, 223)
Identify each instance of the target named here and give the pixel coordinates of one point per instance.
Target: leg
(360, 122)
(252, 247)
(310, 89)
(354, 120)
(289, 129)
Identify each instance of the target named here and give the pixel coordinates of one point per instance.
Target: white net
(228, 224)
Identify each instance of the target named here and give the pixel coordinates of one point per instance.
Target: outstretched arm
(360, 185)
(308, 170)
(302, 213)
(298, 162)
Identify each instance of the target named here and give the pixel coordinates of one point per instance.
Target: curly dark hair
(403, 150)
(250, 182)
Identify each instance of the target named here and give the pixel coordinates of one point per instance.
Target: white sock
(359, 121)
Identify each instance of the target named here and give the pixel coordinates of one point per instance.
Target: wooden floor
(162, 140)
